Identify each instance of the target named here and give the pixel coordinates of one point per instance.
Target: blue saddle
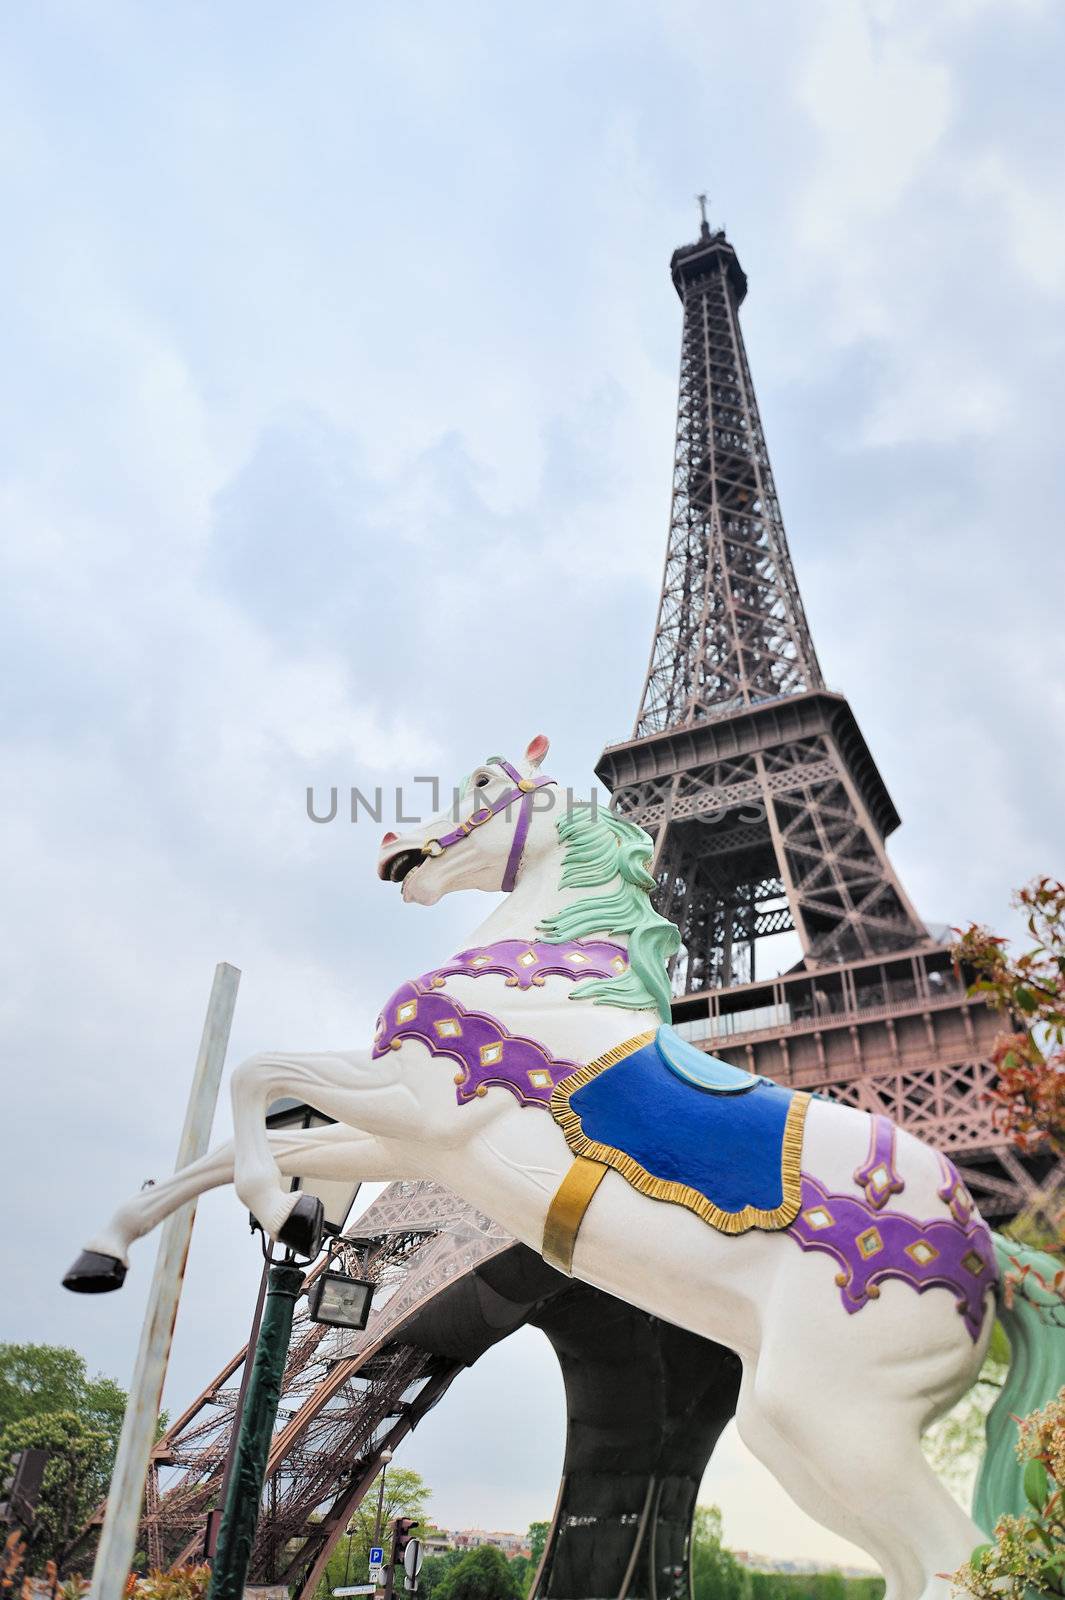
(682, 1126)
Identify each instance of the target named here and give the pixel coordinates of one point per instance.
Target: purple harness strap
(523, 790)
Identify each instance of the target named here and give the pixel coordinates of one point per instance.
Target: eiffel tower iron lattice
(769, 818)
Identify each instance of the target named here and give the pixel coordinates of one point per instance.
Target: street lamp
(231, 1527)
(336, 1194)
(339, 1301)
(335, 1299)
(386, 1456)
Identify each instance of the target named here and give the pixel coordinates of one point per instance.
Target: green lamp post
(335, 1299)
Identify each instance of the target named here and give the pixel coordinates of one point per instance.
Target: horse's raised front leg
(348, 1085)
(336, 1152)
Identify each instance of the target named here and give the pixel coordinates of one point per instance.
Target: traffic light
(402, 1534)
(21, 1489)
(676, 1583)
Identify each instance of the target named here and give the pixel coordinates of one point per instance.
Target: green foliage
(814, 1586)
(47, 1399)
(182, 1583)
(433, 1569)
(716, 1574)
(1028, 1099)
(538, 1532)
(481, 1574)
(41, 1379)
(1027, 1555)
(74, 1479)
(36, 1378)
(524, 1571)
(406, 1495)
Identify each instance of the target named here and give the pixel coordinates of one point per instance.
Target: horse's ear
(536, 750)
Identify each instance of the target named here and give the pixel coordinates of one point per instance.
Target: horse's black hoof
(302, 1229)
(93, 1273)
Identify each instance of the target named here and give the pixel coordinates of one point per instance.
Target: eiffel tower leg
(647, 1402)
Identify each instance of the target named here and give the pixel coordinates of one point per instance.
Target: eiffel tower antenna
(704, 226)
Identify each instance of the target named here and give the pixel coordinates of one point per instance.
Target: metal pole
(214, 1516)
(241, 1512)
(386, 1456)
(119, 1536)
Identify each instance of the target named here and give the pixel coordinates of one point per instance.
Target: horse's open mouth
(401, 866)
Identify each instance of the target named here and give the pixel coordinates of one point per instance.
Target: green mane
(601, 847)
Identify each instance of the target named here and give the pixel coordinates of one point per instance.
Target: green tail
(1035, 1327)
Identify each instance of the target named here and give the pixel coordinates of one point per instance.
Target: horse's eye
(479, 783)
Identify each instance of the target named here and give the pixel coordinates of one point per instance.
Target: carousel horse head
(503, 827)
(603, 872)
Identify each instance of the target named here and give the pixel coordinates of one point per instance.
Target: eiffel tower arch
(769, 818)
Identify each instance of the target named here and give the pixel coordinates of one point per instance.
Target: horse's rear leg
(796, 1475)
(331, 1152)
(848, 1450)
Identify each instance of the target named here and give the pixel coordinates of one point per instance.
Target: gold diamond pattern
(491, 1054)
(577, 959)
(407, 1011)
(922, 1251)
(818, 1217)
(973, 1263)
(539, 1078)
(528, 958)
(448, 1028)
(869, 1243)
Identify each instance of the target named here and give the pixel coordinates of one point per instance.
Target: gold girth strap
(566, 1212)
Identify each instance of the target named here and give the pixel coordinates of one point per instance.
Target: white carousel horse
(839, 1256)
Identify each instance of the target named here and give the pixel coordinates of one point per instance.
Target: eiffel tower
(768, 811)
(769, 818)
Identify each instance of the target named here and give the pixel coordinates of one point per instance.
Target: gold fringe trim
(682, 1194)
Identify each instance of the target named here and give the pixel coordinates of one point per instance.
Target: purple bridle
(523, 790)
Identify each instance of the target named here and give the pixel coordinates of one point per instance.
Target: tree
(716, 1574)
(75, 1477)
(36, 1378)
(1029, 990)
(406, 1495)
(1027, 1554)
(830, 1585)
(537, 1536)
(39, 1380)
(48, 1399)
(481, 1574)
(433, 1570)
(523, 1572)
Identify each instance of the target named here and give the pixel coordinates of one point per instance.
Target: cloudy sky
(338, 408)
